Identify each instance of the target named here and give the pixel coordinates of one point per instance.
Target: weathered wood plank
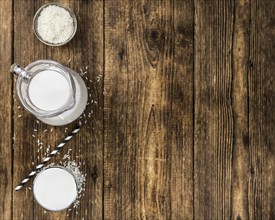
(148, 110)
(24, 144)
(6, 110)
(261, 105)
(240, 111)
(86, 49)
(136, 168)
(182, 109)
(213, 129)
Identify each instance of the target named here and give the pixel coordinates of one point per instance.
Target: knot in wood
(94, 172)
(153, 38)
(154, 35)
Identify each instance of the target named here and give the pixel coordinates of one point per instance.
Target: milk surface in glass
(55, 189)
(49, 90)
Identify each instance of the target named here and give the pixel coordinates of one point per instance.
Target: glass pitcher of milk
(53, 93)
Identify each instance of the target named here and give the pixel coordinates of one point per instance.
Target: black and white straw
(53, 153)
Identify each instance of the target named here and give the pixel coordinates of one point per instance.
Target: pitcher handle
(17, 70)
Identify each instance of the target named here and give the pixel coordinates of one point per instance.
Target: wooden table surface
(183, 123)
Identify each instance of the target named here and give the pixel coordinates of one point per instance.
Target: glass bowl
(35, 26)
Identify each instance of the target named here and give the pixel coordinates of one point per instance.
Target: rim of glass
(59, 167)
(34, 109)
(34, 23)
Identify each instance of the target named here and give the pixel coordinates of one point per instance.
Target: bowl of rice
(54, 24)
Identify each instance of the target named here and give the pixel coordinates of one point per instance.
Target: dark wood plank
(213, 141)
(261, 105)
(148, 110)
(5, 110)
(149, 151)
(86, 49)
(24, 144)
(182, 109)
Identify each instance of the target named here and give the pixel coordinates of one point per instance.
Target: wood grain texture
(24, 144)
(240, 111)
(261, 103)
(213, 139)
(6, 110)
(234, 102)
(182, 101)
(86, 49)
(182, 109)
(148, 110)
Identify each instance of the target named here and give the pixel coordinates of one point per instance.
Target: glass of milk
(50, 91)
(55, 188)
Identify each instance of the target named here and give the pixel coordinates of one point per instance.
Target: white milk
(81, 98)
(49, 90)
(55, 189)
(48, 95)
